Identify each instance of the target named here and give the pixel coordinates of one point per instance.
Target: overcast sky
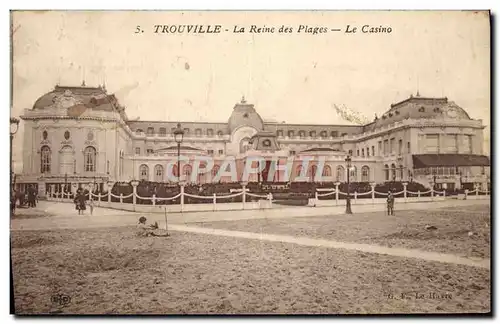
(289, 77)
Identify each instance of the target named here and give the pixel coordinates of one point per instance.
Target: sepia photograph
(250, 162)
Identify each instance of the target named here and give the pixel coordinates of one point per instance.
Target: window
(467, 144)
(144, 172)
(66, 158)
(368, 152)
(340, 173)
(312, 134)
(158, 173)
(210, 132)
(291, 133)
(90, 156)
(220, 134)
(327, 171)
(432, 143)
(312, 173)
(292, 153)
(363, 152)
(334, 134)
(151, 131)
(392, 146)
(393, 172)
(344, 134)
(120, 169)
(451, 143)
(137, 151)
(279, 133)
(45, 156)
(186, 131)
(67, 135)
(139, 131)
(221, 152)
(210, 152)
(324, 134)
(421, 109)
(401, 168)
(215, 170)
(387, 172)
(373, 150)
(44, 135)
(350, 152)
(198, 132)
(400, 147)
(357, 152)
(386, 147)
(302, 134)
(174, 171)
(298, 170)
(149, 151)
(163, 131)
(379, 147)
(408, 147)
(365, 174)
(186, 170)
(353, 173)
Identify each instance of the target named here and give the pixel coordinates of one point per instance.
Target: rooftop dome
(244, 114)
(66, 97)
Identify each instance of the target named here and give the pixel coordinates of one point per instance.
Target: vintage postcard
(250, 162)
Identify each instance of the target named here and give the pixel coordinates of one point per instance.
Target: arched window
(139, 131)
(365, 174)
(298, 170)
(393, 172)
(197, 132)
(302, 134)
(220, 134)
(66, 158)
(45, 156)
(312, 133)
(186, 171)
(353, 174)
(244, 145)
(158, 173)
(215, 170)
(312, 173)
(202, 166)
(291, 133)
(386, 170)
(144, 172)
(89, 158)
(279, 133)
(327, 171)
(174, 171)
(324, 134)
(210, 132)
(340, 173)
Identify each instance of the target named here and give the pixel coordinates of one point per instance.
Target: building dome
(245, 115)
(66, 97)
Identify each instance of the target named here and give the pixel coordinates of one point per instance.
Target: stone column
(134, 184)
(373, 192)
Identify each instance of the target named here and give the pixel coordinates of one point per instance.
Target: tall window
(210, 132)
(340, 173)
(387, 172)
(291, 133)
(158, 173)
(400, 172)
(144, 172)
(89, 157)
(324, 134)
(327, 171)
(279, 133)
(151, 131)
(451, 143)
(408, 147)
(334, 134)
(186, 170)
(392, 146)
(379, 148)
(365, 173)
(353, 173)
(298, 170)
(137, 151)
(400, 147)
(468, 144)
(66, 158)
(163, 131)
(45, 156)
(215, 170)
(312, 134)
(386, 147)
(302, 134)
(197, 132)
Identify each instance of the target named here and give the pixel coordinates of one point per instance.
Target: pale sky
(289, 77)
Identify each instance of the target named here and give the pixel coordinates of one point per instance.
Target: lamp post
(178, 136)
(14, 127)
(434, 179)
(348, 200)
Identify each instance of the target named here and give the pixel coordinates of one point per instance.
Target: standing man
(390, 203)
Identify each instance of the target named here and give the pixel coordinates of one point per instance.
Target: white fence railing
(264, 201)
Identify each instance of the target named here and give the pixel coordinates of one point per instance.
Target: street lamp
(14, 127)
(178, 136)
(348, 200)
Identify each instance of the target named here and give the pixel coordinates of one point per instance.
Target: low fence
(249, 200)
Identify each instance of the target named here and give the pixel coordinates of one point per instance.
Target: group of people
(29, 197)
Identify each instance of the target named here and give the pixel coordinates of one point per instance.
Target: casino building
(82, 135)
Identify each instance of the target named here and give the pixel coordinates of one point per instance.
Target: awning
(447, 160)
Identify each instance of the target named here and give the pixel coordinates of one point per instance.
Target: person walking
(91, 206)
(390, 203)
(80, 201)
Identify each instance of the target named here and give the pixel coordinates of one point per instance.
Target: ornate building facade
(82, 135)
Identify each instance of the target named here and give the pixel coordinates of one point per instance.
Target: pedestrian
(91, 206)
(390, 203)
(13, 199)
(80, 202)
